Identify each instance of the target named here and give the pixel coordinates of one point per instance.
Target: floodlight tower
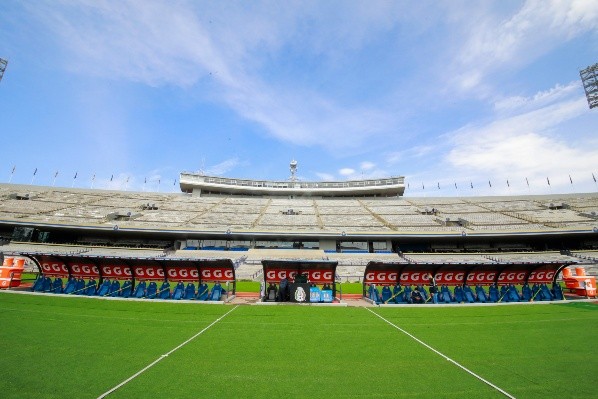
(589, 79)
(293, 166)
(3, 64)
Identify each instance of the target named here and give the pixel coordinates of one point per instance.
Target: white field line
(444, 356)
(137, 374)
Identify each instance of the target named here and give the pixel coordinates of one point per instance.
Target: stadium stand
(174, 234)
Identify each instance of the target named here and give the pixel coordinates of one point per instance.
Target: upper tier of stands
(547, 213)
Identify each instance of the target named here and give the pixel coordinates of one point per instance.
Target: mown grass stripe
(137, 374)
(444, 356)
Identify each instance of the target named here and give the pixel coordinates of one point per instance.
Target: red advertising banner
(420, 277)
(120, 272)
(182, 273)
(481, 277)
(383, 277)
(450, 277)
(217, 274)
(543, 276)
(54, 268)
(149, 273)
(84, 270)
(512, 277)
(321, 276)
(275, 275)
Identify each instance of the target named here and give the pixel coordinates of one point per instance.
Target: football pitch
(55, 347)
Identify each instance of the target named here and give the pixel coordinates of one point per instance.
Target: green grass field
(53, 347)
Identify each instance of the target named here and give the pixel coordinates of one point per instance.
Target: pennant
(145, 181)
(594, 177)
(570, 179)
(174, 184)
(408, 184)
(455, 185)
(490, 184)
(439, 185)
(508, 185)
(55, 174)
(35, 172)
(14, 167)
(127, 179)
(423, 188)
(548, 181)
(94, 177)
(471, 184)
(111, 177)
(158, 181)
(75, 175)
(527, 181)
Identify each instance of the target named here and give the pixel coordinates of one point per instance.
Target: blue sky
(441, 92)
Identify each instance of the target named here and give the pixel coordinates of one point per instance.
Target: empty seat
(126, 288)
(386, 294)
(39, 283)
(398, 294)
(458, 291)
(512, 294)
(203, 292)
(445, 294)
(70, 286)
(57, 286)
(526, 293)
(504, 290)
(79, 287)
(115, 288)
(164, 290)
(493, 293)
(91, 288)
(481, 294)
(557, 292)
(152, 289)
(545, 294)
(189, 291)
(217, 292)
(140, 290)
(104, 288)
(179, 290)
(468, 294)
(373, 293)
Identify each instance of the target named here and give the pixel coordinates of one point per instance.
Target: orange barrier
(581, 284)
(10, 272)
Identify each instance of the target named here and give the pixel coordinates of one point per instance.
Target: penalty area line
(508, 395)
(137, 374)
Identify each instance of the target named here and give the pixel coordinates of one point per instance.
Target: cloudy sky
(449, 94)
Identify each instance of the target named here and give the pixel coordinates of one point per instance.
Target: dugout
(453, 274)
(135, 269)
(318, 272)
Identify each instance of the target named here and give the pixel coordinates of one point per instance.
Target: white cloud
(494, 44)
(542, 98)
(222, 167)
(346, 172)
(366, 165)
(325, 176)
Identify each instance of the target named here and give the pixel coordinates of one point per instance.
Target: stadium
(355, 251)
(440, 240)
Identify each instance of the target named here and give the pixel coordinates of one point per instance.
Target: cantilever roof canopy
(381, 273)
(317, 271)
(79, 265)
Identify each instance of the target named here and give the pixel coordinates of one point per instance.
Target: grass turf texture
(78, 347)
